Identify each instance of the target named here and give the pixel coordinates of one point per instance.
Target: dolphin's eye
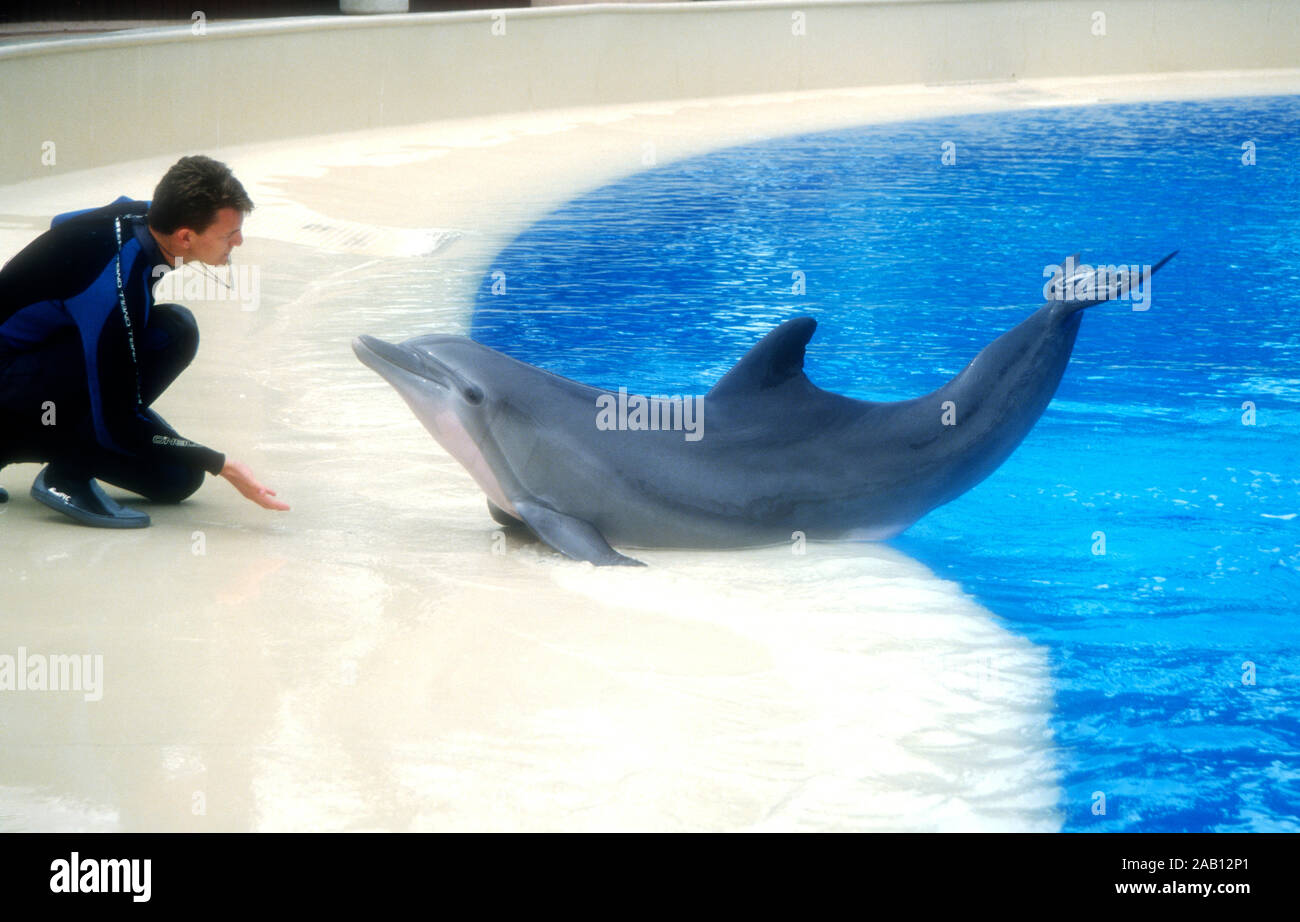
(472, 395)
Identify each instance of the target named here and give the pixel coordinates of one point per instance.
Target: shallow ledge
(72, 104)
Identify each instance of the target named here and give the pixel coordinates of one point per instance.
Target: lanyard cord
(126, 316)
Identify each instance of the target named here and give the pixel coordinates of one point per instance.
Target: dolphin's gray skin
(777, 455)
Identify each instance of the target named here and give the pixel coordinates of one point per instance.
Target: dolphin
(774, 455)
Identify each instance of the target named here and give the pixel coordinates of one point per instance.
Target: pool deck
(366, 661)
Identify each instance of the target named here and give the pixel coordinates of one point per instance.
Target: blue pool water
(659, 282)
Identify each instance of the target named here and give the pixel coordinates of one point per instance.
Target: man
(84, 351)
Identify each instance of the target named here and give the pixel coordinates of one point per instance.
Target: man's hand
(243, 480)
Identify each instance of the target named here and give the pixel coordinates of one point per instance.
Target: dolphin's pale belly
(876, 532)
(709, 525)
(445, 426)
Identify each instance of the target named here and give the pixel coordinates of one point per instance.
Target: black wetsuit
(83, 345)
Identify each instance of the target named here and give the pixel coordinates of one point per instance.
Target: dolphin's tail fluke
(1076, 285)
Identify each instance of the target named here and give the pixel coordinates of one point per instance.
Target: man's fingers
(243, 480)
(264, 499)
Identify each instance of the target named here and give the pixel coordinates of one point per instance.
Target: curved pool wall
(137, 94)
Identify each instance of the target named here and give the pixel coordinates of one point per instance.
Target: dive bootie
(81, 499)
(4, 495)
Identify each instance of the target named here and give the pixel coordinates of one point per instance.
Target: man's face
(213, 246)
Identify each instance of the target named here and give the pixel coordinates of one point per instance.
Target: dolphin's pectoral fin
(571, 536)
(501, 517)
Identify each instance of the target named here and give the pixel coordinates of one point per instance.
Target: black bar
(974, 871)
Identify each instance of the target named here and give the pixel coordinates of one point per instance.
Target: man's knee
(173, 487)
(172, 329)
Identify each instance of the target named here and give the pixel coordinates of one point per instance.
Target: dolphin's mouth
(381, 356)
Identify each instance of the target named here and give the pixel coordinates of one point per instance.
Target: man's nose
(238, 239)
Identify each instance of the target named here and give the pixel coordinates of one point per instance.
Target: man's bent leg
(168, 346)
(158, 481)
(45, 416)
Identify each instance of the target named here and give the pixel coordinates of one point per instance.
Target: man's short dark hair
(191, 193)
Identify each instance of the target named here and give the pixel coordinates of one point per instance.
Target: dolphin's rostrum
(779, 455)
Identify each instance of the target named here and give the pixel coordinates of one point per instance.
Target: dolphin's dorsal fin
(774, 360)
